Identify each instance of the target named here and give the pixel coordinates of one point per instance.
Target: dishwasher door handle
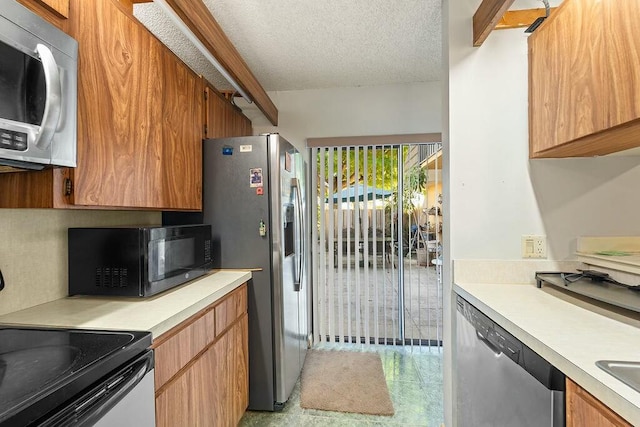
(486, 342)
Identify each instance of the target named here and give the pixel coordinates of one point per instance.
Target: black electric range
(593, 284)
(41, 369)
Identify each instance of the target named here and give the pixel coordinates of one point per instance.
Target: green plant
(415, 181)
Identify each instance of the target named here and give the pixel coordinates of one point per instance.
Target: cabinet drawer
(230, 309)
(177, 347)
(183, 344)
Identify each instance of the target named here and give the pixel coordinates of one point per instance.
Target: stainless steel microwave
(136, 261)
(38, 92)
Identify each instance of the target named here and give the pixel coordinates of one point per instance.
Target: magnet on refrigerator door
(255, 179)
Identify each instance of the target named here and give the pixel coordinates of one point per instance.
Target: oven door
(124, 397)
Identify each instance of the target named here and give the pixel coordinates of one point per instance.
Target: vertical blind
(369, 283)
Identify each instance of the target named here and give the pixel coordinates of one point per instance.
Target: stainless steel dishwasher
(499, 380)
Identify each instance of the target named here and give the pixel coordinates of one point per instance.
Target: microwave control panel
(12, 140)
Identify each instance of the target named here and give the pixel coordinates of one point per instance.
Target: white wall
(493, 193)
(370, 110)
(497, 194)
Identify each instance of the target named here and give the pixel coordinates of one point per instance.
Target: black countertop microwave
(136, 261)
(38, 92)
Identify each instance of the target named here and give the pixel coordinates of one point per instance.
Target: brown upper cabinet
(139, 144)
(139, 128)
(140, 121)
(584, 80)
(223, 119)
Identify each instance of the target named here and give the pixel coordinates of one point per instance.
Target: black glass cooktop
(42, 368)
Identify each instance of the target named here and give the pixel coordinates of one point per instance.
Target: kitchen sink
(627, 372)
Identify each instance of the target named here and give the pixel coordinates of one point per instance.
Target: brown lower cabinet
(202, 366)
(584, 410)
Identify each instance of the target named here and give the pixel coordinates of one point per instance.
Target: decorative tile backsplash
(33, 250)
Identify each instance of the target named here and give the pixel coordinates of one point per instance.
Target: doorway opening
(377, 244)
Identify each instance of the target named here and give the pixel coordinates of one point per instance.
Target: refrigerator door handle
(298, 218)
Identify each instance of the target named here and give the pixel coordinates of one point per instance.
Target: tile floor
(414, 378)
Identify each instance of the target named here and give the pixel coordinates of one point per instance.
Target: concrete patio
(370, 284)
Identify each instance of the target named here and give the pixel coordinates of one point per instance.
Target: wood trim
(127, 4)
(59, 7)
(521, 18)
(486, 18)
(348, 141)
(198, 18)
(47, 12)
(224, 95)
(619, 138)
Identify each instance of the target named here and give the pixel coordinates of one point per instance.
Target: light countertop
(156, 314)
(568, 333)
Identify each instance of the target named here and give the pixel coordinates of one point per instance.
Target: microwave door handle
(53, 103)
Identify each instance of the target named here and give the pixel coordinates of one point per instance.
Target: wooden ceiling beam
(486, 18)
(197, 17)
(520, 18)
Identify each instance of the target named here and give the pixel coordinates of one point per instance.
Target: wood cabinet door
(201, 382)
(215, 118)
(205, 394)
(240, 364)
(567, 76)
(182, 135)
(119, 103)
(222, 119)
(584, 410)
(192, 399)
(622, 48)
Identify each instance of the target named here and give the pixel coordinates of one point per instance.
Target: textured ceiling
(311, 44)
(305, 44)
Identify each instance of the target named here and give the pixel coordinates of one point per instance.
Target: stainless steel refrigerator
(254, 198)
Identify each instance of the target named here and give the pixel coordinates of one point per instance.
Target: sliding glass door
(376, 244)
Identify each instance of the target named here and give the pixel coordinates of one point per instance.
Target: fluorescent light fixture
(168, 10)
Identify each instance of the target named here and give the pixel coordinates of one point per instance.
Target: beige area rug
(345, 381)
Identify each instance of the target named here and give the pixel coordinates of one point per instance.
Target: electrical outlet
(534, 246)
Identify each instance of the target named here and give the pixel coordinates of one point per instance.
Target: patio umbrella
(357, 193)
